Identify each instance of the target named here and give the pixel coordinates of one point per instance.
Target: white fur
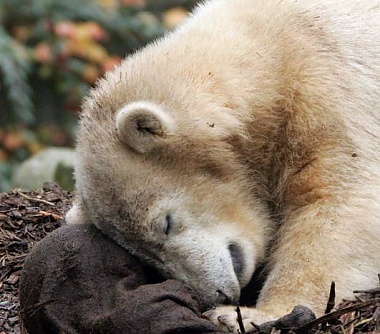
(274, 148)
(154, 125)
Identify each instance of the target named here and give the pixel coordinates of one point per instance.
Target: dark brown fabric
(76, 280)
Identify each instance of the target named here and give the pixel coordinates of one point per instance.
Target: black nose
(222, 298)
(236, 258)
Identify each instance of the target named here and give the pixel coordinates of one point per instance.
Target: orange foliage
(174, 16)
(42, 53)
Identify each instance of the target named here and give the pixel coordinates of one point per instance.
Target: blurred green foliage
(51, 53)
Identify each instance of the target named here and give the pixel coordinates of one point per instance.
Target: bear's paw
(226, 319)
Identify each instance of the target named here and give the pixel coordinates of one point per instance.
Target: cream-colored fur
(250, 134)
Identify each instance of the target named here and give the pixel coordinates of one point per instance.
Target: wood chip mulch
(26, 217)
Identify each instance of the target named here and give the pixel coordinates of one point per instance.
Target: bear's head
(160, 169)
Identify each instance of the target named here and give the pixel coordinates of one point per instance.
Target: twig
(334, 315)
(35, 199)
(331, 301)
(240, 319)
(375, 290)
(46, 214)
(330, 304)
(256, 327)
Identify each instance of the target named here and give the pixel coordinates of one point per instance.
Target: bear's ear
(143, 125)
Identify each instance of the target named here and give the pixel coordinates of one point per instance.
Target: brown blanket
(76, 280)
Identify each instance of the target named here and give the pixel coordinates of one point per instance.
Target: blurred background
(51, 53)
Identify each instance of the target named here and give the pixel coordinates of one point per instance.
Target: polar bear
(249, 135)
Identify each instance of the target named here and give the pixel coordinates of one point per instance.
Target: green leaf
(14, 69)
